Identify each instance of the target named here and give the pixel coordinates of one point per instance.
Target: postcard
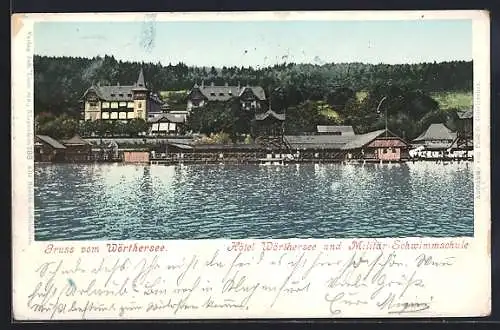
(251, 165)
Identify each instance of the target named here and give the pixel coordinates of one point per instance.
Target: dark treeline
(61, 81)
(309, 94)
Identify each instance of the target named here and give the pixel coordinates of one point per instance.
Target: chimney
(202, 83)
(212, 84)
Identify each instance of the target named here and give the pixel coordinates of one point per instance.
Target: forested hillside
(310, 94)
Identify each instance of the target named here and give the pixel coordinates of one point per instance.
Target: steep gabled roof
(118, 92)
(140, 85)
(50, 141)
(389, 142)
(268, 113)
(112, 93)
(168, 117)
(436, 132)
(224, 93)
(256, 90)
(76, 141)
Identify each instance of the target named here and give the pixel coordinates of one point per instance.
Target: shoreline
(166, 162)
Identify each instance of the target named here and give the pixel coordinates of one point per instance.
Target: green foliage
(60, 127)
(136, 126)
(307, 115)
(248, 139)
(61, 81)
(453, 100)
(216, 138)
(310, 95)
(214, 117)
(63, 127)
(224, 117)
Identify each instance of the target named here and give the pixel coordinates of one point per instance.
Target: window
(114, 105)
(105, 105)
(122, 115)
(105, 115)
(139, 105)
(123, 104)
(93, 104)
(384, 151)
(130, 105)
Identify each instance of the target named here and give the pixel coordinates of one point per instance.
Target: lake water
(119, 202)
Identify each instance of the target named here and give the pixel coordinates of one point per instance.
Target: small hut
(436, 141)
(388, 149)
(381, 145)
(78, 149)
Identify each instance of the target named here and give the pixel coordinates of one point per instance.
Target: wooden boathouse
(48, 149)
(374, 146)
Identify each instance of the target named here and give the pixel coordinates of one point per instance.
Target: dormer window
(113, 95)
(221, 94)
(212, 94)
(121, 95)
(129, 95)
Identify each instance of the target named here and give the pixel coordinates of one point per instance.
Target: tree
(136, 126)
(86, 128)
(338, 97)
(59, 82)
(100, 127)
(211, 118)
(60, 127)
(305, 117)
(120, 128)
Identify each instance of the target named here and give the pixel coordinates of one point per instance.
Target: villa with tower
(121, 102)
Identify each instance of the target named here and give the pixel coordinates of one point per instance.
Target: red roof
(387, 143)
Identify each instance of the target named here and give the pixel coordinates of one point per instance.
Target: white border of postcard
(212, 279)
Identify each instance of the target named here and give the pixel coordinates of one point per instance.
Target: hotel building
(121, 102)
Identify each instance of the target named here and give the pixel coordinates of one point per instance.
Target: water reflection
(223, 201)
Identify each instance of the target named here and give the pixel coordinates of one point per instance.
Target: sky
(260, 43)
